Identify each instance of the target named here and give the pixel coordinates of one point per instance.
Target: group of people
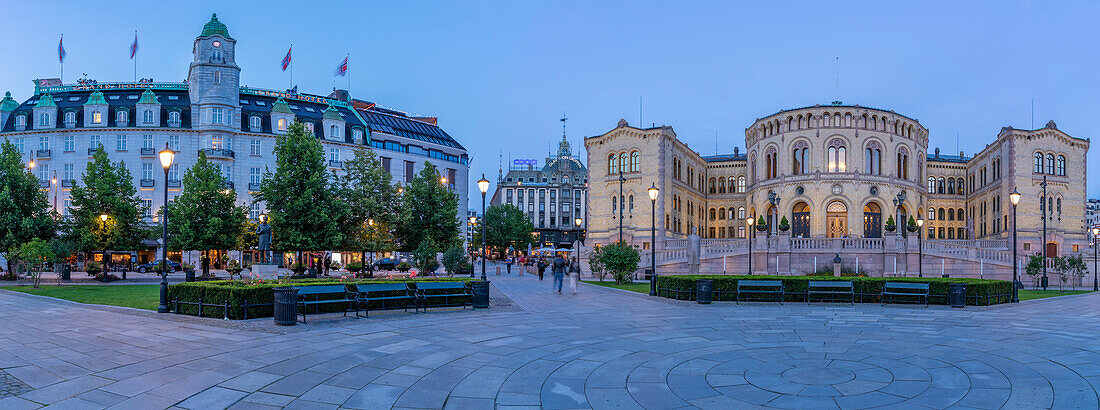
(559, 267)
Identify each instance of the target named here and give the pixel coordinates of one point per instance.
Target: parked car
(385, 264)
(153, 267)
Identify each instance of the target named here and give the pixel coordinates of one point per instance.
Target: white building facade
(61, 125)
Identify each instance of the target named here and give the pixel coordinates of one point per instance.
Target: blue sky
(499, 75)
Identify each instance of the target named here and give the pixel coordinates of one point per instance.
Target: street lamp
(750, 235)
(483, 186)
(920, 246)
(653, 192)
(1095, 244)
(167, 156)
(1014, 197)
(577, 224)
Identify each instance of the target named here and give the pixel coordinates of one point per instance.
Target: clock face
(217, 43)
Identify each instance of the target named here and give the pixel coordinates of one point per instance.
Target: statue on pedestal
(263, 232)
(693, 250)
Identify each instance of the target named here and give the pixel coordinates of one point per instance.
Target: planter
(189, 275)
(912, 228)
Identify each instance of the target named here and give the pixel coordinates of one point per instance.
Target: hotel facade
(61, 125)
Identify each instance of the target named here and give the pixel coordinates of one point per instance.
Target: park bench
(324, 295)
(918, 291)
(760, 287)
(830, 288)
(447, 291)
(383, 293)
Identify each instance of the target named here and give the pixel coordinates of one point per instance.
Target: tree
(24, 211)
(1034, 266)
(34, 254)
(205, 216)
(301, 208)
(425, 256)
(371, 203)
(505, 225)
(1075, 266)
(595, 263)
(454, 260)
(621, 260)
(107, 190)
(428, 210)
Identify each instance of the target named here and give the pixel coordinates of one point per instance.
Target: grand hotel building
(61, 125)
(839, 171)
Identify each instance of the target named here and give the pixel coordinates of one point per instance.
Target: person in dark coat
(542, 268)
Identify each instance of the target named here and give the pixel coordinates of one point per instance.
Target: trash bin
(286, 306)
(957, 295)
(189, 275)
(66, 272)
(648, 273)
(480, 290)
(704, 291)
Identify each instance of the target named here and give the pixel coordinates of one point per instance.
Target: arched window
(903, 164)
(120, 117)
(941, 214)
(97, 117)
(70, 117)
(44, 119)
(721, 185)
(837, 156)
(951, 186)
(931, 214)
(1038, 169)
(712, 187)
(931, 185)
(332, 132)
(950, 214)
(741, 184)
(721, 213)
(1061, 165)
(941, 187)
(611, 169)
(254, 122)
(622, 163)
(147, 116)
(873, 159)
(798, 158)
(1050, 164)
(174, 117)
(1059, 208)
(959, 187)
(634, 161)
(713, 214)
(741, 213)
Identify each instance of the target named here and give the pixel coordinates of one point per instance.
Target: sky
(499, 75)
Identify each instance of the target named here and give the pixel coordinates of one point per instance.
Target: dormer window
(147, 116)
(44, 119)
(174, 118)
(309, 127)
(282, 124)
(216, 55)
(357, 134)
(70, 118)
(333, 132)
(254, 123)
(121, 118)
(21, 121)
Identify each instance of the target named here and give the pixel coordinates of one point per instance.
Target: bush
(403, 267)
(93, 268)
(621, 260)
(454, 261)
(425, 257)
(354, 267)
(978, 291)
(217, 292)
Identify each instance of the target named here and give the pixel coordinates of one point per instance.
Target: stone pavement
(602, 348)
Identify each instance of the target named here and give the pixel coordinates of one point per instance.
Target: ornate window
(611, 164)
(837, 156)
(174, 118)
(1038, 163)
(1061, 165)
(741, 213)
(770, 163)
(254, 123)
(798, 158)
(741, 184)
(931, 214)
(951, 186)
(1050, 164)
(120, 117)
(873, 158)
(713, 188)
(70, 117)
(931, 185)
(941, 187)
(634, 161)
(903, 164)
(721, 185)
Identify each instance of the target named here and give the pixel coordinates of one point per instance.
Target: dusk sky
(499, 75)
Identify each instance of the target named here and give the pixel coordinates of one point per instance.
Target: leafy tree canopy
(107, 188)
(205, 216)
(506, 225)
(24, 210)
(428, 210)
(372, 203)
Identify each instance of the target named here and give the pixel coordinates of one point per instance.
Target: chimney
(340, 95)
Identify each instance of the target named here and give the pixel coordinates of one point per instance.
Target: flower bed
(245, 300)
(979, 292)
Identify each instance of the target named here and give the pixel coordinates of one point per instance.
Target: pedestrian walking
(541, 267)
(574, 276)
(560, 266)
(508, 263)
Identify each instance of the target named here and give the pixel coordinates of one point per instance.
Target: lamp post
(920, 246)
(653, 192)
(167, 156)
(577, 224)
(750, 236)
(621, 203)
(1043, 206)
(1095, 244)
(1014, 197)
(483, 186)
(54, 183)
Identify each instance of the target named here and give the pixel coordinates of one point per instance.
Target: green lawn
(633, 287)
(1039, 294)
(136, 296)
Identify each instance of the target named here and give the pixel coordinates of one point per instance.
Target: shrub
(454, 260)
(354, 267)
(403, 267)
(93, 268)
(978, 291)
(621, 260)
(425, 257)
(761, 224)
(217, 292)
(784, 225)
(890, 224)
(595, 263)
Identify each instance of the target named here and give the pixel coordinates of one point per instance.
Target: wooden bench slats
(448, 290)
(317, 291)
(891, 289)
(774, 287)
(363, 295)
(830, 287)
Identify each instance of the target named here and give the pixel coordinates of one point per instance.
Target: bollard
(498, 270)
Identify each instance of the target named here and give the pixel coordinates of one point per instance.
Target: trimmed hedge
(980, 292)
(260, 297)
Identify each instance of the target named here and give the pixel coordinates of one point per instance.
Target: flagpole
(135, 56)
(349, 75)
(291, 51)
(61, 59)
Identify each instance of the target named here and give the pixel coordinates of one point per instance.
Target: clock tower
(214, 82)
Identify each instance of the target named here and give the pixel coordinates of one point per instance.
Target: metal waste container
(286, 306)
(704, 291)
(957, 295)
(480, 290)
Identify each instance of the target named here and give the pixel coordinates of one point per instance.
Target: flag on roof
(61, 50)
(342, 69)
(286, 60)
(133, 47)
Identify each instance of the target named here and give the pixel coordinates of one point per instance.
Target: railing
(146, 152)
(978, 243)
(67, 183)
(682, 243)
(174, 183)
(43, 153)
(336, 164)
(217, 152)
(993, 255)
(148, 183)
(44, 184)
(861, 243)
(811, 243)
(254, 187)
(946, 248)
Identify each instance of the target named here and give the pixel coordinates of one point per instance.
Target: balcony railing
(336, 164)
(228, 184)
(148, 183)
(66, 183)
(217, 153)
(148, 152)
(43, 153)
(92, 150)
(174, 184)
(254, 187)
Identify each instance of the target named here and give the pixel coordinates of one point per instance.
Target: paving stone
(374, 396)
(213, 398)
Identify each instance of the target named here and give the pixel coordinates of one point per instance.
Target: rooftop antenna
(957, 141)
(500, 167)
(563, 120)
(837, 101)
(1032, 112)
(715, 142)
(640, 123)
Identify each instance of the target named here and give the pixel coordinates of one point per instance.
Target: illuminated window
(282, 124)
(97, 117)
